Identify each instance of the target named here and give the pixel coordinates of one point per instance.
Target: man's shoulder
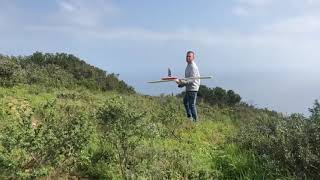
(194, 65)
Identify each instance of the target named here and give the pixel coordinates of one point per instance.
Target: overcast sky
(266, 50)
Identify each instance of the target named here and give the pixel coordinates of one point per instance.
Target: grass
(201, 149)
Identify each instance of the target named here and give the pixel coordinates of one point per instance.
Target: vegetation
(291, 143)
(54, 124)
(57, 70)
(217, 96)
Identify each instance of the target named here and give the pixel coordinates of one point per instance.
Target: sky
(265, 50)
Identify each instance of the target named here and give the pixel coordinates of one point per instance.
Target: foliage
(217, 96)
(289, 143)
(106, 135)
(315, 112)
(32, 147)
(123, 127)
(57, 70)
(10, 73)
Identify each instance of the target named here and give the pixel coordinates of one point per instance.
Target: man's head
(190, 57)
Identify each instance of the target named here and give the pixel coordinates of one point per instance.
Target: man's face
(190, 57)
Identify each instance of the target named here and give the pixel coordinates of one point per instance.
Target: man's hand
(178, 81)
(180, 86)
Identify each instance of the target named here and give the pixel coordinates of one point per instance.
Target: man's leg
(186, 104)
(192, 104)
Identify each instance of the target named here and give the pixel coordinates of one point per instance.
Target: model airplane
(169, 78)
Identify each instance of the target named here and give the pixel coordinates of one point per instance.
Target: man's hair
(190, 52)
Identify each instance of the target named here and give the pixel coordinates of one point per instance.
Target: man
(192, 86)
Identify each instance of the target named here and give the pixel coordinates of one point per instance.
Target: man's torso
(192, 71)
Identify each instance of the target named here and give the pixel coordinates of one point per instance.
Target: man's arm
(194, 73)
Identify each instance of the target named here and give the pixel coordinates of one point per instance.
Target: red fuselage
(169, 78)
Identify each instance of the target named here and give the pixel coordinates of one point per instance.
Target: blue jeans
(189, 102)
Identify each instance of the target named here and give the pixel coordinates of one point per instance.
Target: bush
(217, 96)
(290, 143)
(58, 70)
(123, 126)
(34, 146)
(11, 73)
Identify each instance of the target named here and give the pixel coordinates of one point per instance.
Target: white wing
(201, 77)
(191, 78)
(160, 81)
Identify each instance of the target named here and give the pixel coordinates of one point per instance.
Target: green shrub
(289, 143)
(34, 146)
(217, 96)
(58, 70)
(123, 126)
(11, 73)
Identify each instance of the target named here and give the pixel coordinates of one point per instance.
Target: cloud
(67, 6)
(311, 2)
(240, 11)
(262, 41)
(9, 14)
(84, 13)
(286, 5)
(255, 2)
(245, 7)
(83, 20)
(301, 24)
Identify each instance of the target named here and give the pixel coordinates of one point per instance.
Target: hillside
(62, 118)
(57, 70)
